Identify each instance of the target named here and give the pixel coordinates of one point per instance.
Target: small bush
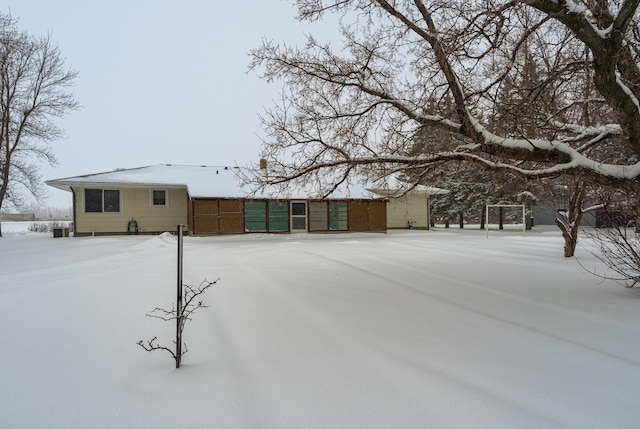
(46, 226)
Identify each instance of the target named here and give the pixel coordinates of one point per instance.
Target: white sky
(160, 81)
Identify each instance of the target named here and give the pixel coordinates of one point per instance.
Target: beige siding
(410, 208)
(136, 204)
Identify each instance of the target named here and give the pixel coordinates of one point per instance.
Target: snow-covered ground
(412, 329)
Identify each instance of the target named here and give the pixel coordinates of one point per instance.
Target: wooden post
(179, 302)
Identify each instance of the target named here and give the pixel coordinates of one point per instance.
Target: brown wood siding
(377, 215)
(231, 216)
(358, 216)
(205, 216)
(213, 216)
(367, 216)
(190, 223)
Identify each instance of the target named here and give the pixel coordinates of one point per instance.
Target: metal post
(179, 301)
(486, 219)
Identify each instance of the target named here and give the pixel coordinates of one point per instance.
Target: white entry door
(298, 216)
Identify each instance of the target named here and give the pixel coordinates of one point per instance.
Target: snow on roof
(200, 181)
(418, 190)
(397, 186)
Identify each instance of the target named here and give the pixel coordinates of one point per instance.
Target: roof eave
(66, 185)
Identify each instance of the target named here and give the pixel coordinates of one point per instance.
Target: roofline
(66, 183)
(394, 193)
(66, 186)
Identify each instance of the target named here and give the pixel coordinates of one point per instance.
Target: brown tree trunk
(570, 238)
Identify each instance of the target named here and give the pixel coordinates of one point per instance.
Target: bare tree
(617, 242)
(355, 109)
(569, 218)
(34, 90)
(181, 315)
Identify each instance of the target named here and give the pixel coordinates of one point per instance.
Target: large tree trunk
(570, 235)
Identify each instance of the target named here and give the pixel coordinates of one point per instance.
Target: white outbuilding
(408, 207)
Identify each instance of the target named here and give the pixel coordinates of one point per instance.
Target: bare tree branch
(354, 110)
(35, 89)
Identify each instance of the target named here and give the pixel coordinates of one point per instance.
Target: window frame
(295, 217)
(102, 200)
(152, 199)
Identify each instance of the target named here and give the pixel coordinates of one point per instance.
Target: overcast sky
(160, 81)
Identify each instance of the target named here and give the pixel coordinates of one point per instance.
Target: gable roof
(204, 181)
(200, 181)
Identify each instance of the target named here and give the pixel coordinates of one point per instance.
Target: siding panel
(338, 216)
(255, 216)
(205, 217)
(136, 205)
(358, 216)
(231, 217)
(278, 216)
(318, 216)
(410, 208)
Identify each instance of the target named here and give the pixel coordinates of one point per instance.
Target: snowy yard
(412, 329)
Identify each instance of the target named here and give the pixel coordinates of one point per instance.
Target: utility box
(59, 232)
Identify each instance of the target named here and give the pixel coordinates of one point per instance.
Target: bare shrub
(181, 315)
(45, 226)
(617, 244)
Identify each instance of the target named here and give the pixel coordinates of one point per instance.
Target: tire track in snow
(469, 308)
(323, 348)
(501, 392)
(505, 293)
(380, 359)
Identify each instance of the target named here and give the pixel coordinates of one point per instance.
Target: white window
(159, 198)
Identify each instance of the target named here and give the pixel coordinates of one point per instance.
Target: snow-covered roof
(205, 181)
(397, 186)
(398, 192)
(200, 181)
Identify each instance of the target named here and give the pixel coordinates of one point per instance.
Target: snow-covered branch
(536, 88)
